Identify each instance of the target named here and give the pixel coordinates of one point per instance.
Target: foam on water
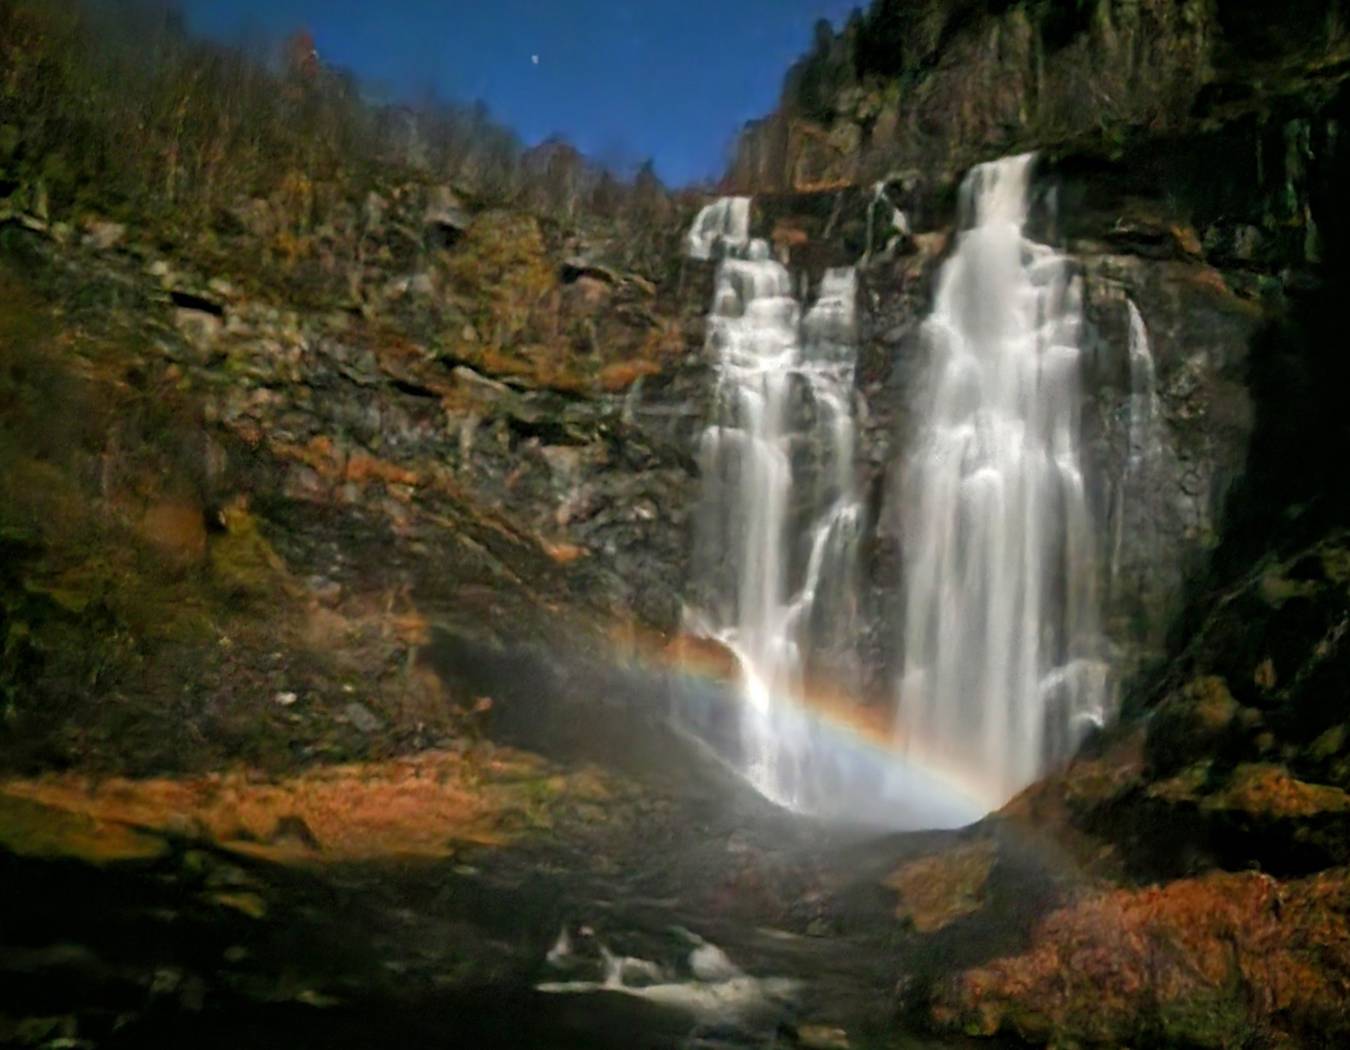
(707, 984)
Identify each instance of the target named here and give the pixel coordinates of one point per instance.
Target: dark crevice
(191, 301)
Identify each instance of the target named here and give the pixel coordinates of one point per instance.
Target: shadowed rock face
(935, 86)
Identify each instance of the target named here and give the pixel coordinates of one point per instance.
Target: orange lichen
(1271, 791)
(1187, 240)
(323, 456)
(32, 829)
(421, 806)
(564, 553)
(787, 236)
(937, 890)
(704, 656)
(176, 528)
(362, 468)
(1210, 279)
(665, 339)
(623, 374)
(1213, 961)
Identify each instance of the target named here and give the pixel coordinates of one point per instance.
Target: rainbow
(869, 774)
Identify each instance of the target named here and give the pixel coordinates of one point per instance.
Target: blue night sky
(623, 80)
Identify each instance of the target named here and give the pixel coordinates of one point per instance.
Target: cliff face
(444, 429)
(1187, 166)
(936, 86)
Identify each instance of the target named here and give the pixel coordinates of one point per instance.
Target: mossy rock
(243, 563)
(1270, 792)
(1190, 724)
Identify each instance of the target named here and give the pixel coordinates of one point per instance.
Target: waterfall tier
(1001, 649)
(780, 515)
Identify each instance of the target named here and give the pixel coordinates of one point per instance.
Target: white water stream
(1144, 442)
(781, 515)
(1002, 671)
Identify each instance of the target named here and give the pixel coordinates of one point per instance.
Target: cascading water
(1144, 439)
(1001, 669)
(882, 236)
(725, 223)
(1144, 412)
(780, 514)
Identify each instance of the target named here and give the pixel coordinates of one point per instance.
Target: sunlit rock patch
(423, 806)
(32, 829)
(938, 890)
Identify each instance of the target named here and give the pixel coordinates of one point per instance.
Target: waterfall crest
(1001, 648)
(725, 223)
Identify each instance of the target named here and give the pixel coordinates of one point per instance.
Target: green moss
(1270, 792)
(83, 599)
(1329, 744)
(1215, 1019)
(1276, 589)
(243, 563)
(1336, 564)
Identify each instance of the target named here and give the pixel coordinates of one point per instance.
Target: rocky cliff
(1190, 171)
(933, 86)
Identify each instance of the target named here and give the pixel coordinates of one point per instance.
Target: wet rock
(103, 235)
(445, 216)
(292, 830)
(326, 592)
(361, 717)
(821, 1037)
(201, 328)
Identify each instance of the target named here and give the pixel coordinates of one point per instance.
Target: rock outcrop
(934, 86)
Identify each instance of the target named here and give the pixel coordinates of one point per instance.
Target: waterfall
(1001, 671)
(724, 222)
(1144, 413)
(1144, 439)
(896, 222)
(780, 513)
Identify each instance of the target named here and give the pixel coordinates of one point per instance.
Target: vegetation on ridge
(113, 109)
